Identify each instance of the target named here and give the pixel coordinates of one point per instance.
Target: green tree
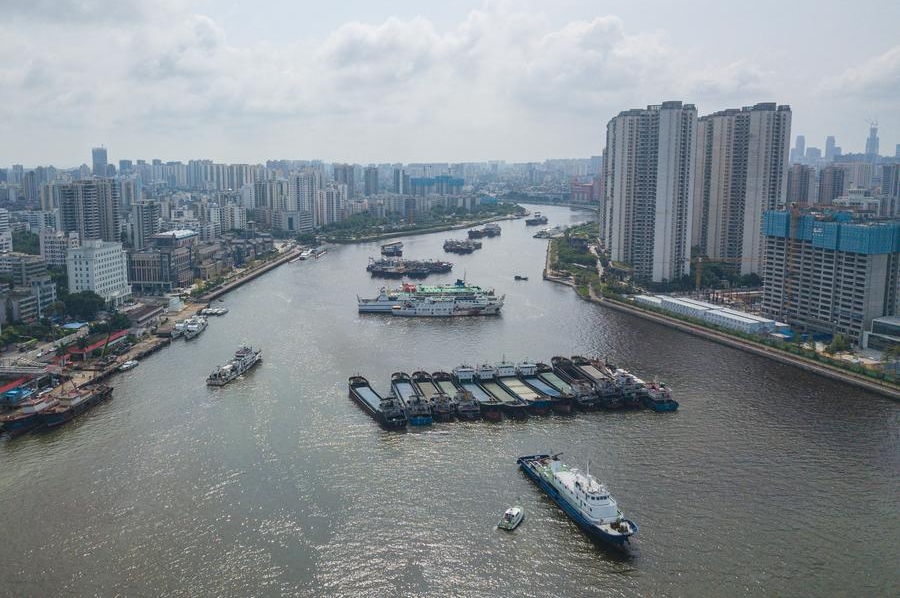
(26, 242)
(83, 305)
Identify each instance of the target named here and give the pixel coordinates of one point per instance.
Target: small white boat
(131, 363)
(511, 518)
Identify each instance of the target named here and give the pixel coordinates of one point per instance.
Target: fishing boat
(511, 518)
(520, 277)
(581, 496)
(536, 219)
(387, 411)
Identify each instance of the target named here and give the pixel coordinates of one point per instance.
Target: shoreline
(160, 339)
(424, 231)
(722, 338)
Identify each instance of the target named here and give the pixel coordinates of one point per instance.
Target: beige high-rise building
(645, 216)
(741, 171)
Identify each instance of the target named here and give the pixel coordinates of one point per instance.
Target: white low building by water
(716, 315)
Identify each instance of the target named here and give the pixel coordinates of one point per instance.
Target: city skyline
(408, 83)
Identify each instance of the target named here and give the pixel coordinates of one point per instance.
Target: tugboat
(511, 518)
(387, 411)
(659, 398)
(582, 496)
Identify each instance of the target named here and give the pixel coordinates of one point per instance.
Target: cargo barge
(418, 411)
(73, 403)
(387, 411)
(443, 405)
(514, 391)
(508, 378)
(512, 406)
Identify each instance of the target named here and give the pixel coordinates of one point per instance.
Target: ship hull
(388, 423)
(574, 514)
(58, 418)
(562, 405)
(22, 425)
(661, 406)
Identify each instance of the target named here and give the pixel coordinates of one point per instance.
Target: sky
(412, 81)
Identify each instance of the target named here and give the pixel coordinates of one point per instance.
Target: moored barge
(387, 411)
(418, 411)
(73, 403)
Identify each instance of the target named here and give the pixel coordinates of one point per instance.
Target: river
(768, 480)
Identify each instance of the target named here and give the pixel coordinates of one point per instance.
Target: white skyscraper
(100, 267)
(646, 219)
(303, 191)
(740, 172)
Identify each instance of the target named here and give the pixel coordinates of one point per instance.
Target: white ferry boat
(582, 496)
(444, 307)
(194, 326)
(388, 299)
(244, 359)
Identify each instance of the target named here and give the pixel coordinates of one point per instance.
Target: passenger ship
(582, 496)
(443, 307)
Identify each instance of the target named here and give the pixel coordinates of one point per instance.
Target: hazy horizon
(404, 82)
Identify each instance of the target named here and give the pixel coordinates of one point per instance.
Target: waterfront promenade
(727, 339)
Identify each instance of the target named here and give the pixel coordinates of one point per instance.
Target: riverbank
(424, 231)
(154, 342)
(249, 275)
(726, 339)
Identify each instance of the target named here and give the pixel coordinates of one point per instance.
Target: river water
(768, 480)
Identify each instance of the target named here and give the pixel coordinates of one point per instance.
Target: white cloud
(877, 78)
(133, 72)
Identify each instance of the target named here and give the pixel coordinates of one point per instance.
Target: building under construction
(830, 272)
